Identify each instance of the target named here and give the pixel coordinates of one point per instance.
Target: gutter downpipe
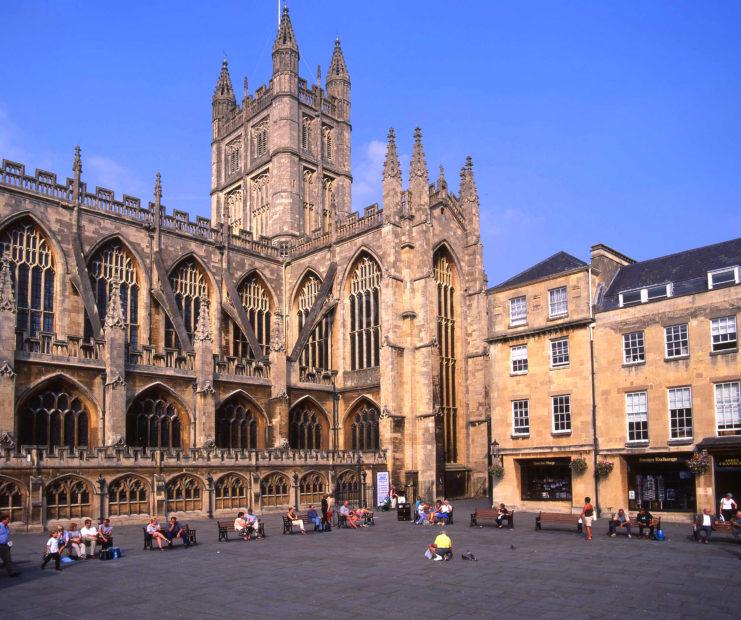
(595, 441)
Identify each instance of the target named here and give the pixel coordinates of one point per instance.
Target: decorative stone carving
(7, 297)
(209, 445)
(6, 370)
(116, 382)
(206, 388)
(7, 441)
(385, 413)
(119, 444)
(203, 328)
(277, 340)
(114, 315)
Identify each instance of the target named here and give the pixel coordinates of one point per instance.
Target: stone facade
(284, 348)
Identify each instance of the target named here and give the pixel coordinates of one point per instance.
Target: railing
(253, 245)
(45, 183)
(316, 375)
(320, 239)
(169, 358)
(328, 107)
(241, 367)
(233, 123)
(48, 344)
(373, 216)
(260, 103)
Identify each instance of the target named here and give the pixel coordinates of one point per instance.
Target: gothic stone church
(285, 348)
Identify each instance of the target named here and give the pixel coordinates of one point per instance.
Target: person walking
(5, 545)
(728, 507)
(52, 551)
(587, 514)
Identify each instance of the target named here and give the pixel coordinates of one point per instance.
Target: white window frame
(554, 310)
(734, 269)
(673, 394)
(518, 431)
(735, 428)
(668, 292)
(679, 340)
(728, 320)
(566, 414)
(516, 356)
(551, 344)
(638, 344)
(635, 414)
(520, 320)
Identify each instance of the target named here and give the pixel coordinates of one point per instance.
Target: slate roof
(687, 271)
(560, 262)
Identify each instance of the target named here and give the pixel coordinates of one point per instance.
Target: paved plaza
(381, 572)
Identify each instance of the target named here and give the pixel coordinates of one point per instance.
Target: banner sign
(382, 486)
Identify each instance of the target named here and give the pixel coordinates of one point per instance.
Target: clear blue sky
(614, 122)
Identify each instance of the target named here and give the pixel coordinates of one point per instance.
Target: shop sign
(731, 461)
(541, 463)
(658, 459)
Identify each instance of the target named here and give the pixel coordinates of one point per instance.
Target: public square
(381, 572)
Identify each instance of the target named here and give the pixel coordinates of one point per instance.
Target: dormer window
(728, 276)
(643, 295)
(629, 298)
(656, 292)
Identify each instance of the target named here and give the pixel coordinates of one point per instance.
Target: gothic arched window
(445, 281)
(236, 426)
(311, 488)
(52, 417)
(128, 496)
(230, 492)
(365, 293)
(346, 487)
(256, 303)
(363, 428)
(109, 262)
(154, 421)
(68, 498)
(316, 353)
(184, 494)
(11, 500)
(32, 272)
(188, 283)
(305, 429)
(259, 205)
(274, 490)
(310, 223)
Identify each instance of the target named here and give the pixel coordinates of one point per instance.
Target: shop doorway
(727, 478)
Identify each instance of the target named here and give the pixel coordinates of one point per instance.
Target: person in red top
(587, 514)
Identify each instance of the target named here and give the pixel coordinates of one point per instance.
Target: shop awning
(730, 442)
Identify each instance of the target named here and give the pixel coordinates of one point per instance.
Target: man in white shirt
(89, 536)
(252, 523)
(705, 524)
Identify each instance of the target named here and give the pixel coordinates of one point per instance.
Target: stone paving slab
(381, 572)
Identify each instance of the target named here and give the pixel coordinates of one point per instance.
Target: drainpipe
(595, 441)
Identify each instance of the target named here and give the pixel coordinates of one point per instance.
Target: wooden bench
(655, 523)
(288, 524)
(228, 526)
(723, 528)
(368, 519)
(557, 518)
(488, 516)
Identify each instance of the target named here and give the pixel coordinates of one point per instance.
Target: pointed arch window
(305, 429)
(68, 498)
(256, 303)
(236, 427)
(188, 283)
(444, 279)
(310, 223)
(259, 204)
(11, 500)
(110, 262)
(154, 421)
(364, 432)
(316, 353)
(230, 492)
(54, 416)
(128, 496)
(364, 300)
(32, 272)
(347, 487)
(312, 488)
(274, 490)
(184, 494)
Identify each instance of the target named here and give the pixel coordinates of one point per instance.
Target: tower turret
(469, 197)
(223, 101)
(285, 53)
(338, 81)
(419, 179)
(391, 179)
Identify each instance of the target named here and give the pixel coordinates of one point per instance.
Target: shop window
(545, 480)
(660, 483)
(634, 351)
(680, 413)
(728, 408)
(677, 341)
(636, 409)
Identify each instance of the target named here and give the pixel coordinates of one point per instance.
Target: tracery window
(364, 434)
(68, 498)
(184, 494)
(128, 496)
(305, 429)
(328, 203)
(236, 426)
(446, 340)
(316, 353)
(312, 488)
(54, 417)
(346, 487)
(260, 205)
(260, 138)
(109, 262)
(310, 223)
(32, 271)
(365, 292)
(274, 490)
(154, 422)
(234, 211)
(188, 283)
(11, 500)
(230, 491)
(306, 133)
(233, 157)
(327, 142)
(256, 303)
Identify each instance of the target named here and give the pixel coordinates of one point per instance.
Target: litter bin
(404, 512)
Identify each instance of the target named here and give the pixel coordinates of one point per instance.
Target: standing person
(89, 536)
(325, 510)
(705, 525)
(587, 514)
(728, 507)
(5, 545)
(52, 551)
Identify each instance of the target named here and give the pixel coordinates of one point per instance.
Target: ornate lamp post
(210, 489)
(101, 485)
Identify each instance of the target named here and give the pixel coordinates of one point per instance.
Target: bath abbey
(288, 347)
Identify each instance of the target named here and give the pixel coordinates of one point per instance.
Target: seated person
(645, 520)
(73, 542)
(89, 536)
(704, 525)
(442, 548)
(621, 519)
(240, 526)
(348, 515)
(175, 530)
(501, 513)
(421, 514)
(105, 534)
(736, 527)
(293, 518)
(253, 526)
(313, 516)
(154, 530)
(363, 515)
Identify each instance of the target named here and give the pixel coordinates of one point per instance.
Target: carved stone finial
(77, 165)
(391, 166)
(418, 167)
(158, 187)
(442, 184)
(114, 315)
(7, 297)
(246, 90)
(206, 388)
(468, 192)
(203, 327)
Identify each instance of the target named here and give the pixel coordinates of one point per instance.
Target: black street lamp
(210, 488)
(101, 486)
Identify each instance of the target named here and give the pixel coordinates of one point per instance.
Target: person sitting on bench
(704, 524)
(293, 517)
(240, 526)
(442, 548)
(621, 519)
(154, 530)
(645, 520)
(313, 516)
(501, 513)
(175, 530)
(421, 514)
(253, 526)
(350, 518)
(105, 534)
(89, 537)
(736, 527)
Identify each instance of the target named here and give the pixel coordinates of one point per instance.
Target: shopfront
(545, 479)
(727, 476)
(661, 483)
